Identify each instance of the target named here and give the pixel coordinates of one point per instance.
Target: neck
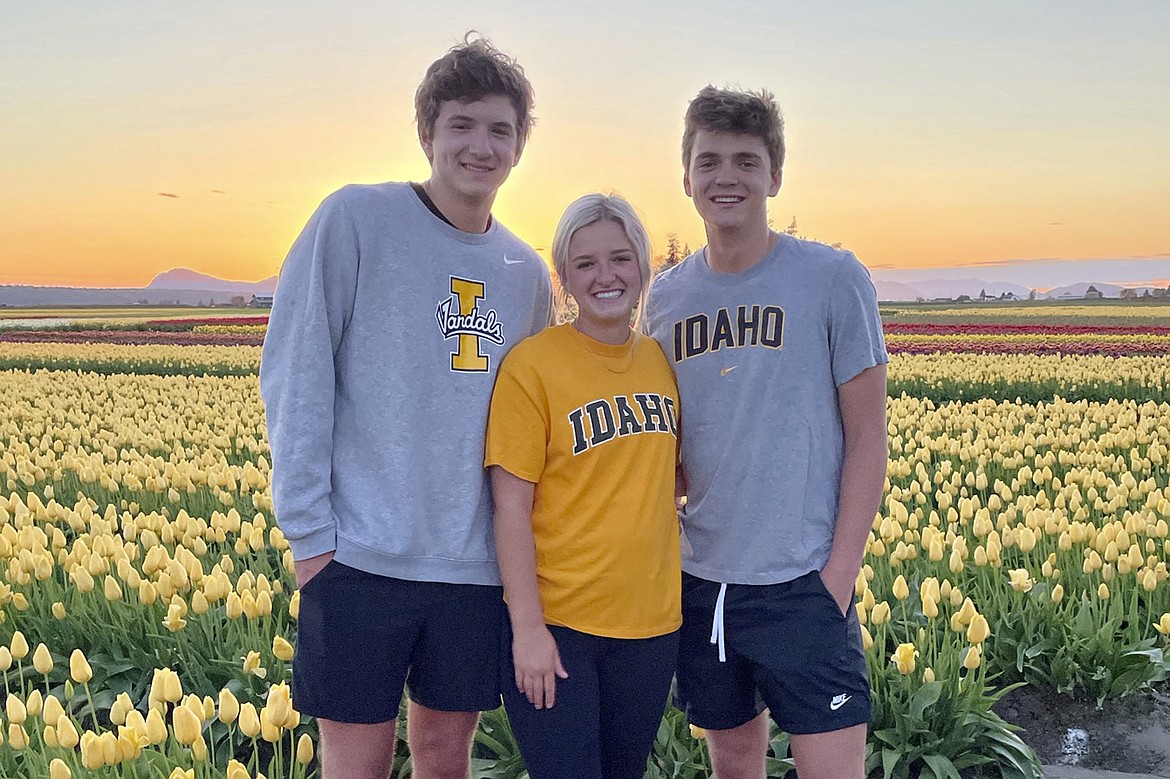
(468, 216)
(736, 250)
(614, 334)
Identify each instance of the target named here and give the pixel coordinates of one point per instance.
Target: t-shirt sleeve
(518, 424)
(855, 326)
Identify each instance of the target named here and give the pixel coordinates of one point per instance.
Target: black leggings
(606, 713)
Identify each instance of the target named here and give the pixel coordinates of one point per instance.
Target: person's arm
(862, 402)
(312, 306)
(534, 650)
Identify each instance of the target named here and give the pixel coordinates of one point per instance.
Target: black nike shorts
(788, 647)
(361, 636)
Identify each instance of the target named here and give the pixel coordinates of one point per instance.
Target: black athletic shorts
(788, 648)
(361, 637)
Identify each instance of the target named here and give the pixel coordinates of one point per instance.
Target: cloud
(1055, 224)
(218, 192)
(167, 194)
(882, 266)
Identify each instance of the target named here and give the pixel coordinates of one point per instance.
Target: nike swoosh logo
(508, 261)
(726, 371)
(839, 701)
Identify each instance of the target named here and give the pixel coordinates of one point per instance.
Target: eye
(583, 264)
(503, 132)
(623, 258)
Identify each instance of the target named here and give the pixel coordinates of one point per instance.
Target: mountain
(1078, 290)
(184, 278)
(929, 289)
(895, 290)
(177, 287)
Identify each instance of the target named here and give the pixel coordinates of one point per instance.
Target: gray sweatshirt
(386, 332)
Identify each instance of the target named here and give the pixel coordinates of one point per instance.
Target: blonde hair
(590, 209)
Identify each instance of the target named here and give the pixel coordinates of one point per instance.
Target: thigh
(562, 742)
(356, 751)
(715, 695)
(808, 660)
(355, 632)
(456, 661)
(633, 684)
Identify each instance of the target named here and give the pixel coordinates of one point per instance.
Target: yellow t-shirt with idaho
(595, 427)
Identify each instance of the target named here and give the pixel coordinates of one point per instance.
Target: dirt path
(1127, 738)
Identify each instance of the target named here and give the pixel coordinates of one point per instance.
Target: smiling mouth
(609, 294)
(477, 168)
(727, 199)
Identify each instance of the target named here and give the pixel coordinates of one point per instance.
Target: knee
(437, 756)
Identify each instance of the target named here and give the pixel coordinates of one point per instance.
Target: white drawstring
(717, 623)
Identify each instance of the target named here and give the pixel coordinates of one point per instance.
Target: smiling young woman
(582, 445)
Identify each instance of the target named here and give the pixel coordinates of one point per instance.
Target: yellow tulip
(1058, 593)
(234, 606)
(179, 773)
(1021, 581)
(42, 660)
(156, 727)
(49, 736)
(866, 639)
(14, 708)
(294, 605)
(236, 770)
(51, 710)
(880, 613)
(929, 606)
(34, 703)
(928, 675)
(249, 721)
(967, 612)
(979, 630)
(279, 702)
(1163, 624)
(903, 658)
(305, 747)
(59, 770)
(252, 665)
(5, 659)
(130, 743)
(111, 589)
(229, 707)
(174, 621)
(269, 727)
(901, 590)
(199, 750)
(91, 751)
(972, 658)
(67, 735)
(1103, 591)
(121, 707)
(17, 737)
(18, 646)
(79, 669)
(282, 649)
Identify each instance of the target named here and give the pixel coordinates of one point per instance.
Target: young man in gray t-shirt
(777, 346)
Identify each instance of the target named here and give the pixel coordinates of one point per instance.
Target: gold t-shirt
(595, 427)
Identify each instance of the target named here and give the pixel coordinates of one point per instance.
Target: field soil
(1126, 738)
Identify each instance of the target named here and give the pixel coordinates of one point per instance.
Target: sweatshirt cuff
(318, 542)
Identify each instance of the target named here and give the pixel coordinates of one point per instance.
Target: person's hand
(538, 664)
(839, 584)
(309, 567)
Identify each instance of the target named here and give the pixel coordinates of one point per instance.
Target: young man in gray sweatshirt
(395, 307)
(777, 346)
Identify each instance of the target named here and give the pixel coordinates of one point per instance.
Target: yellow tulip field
(148, 608)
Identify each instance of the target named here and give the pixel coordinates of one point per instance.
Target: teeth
(609, 295)
(727, 199)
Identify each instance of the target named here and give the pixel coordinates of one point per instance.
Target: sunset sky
(137, 136)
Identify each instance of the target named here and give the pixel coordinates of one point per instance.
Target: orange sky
(917, 136)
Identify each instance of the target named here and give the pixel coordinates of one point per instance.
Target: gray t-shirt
(759, 356)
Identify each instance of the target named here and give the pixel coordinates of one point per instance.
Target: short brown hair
(730, 111)
(471, 71)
